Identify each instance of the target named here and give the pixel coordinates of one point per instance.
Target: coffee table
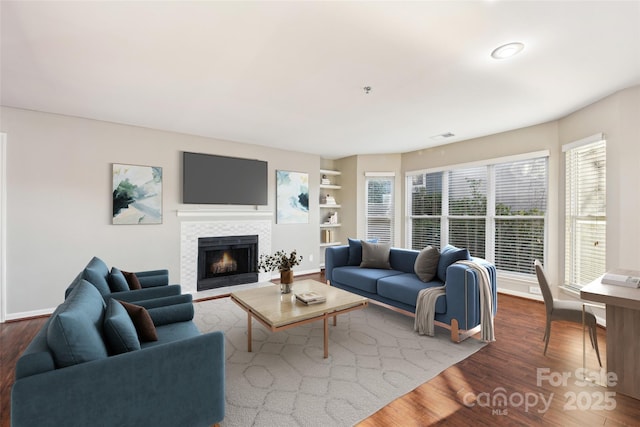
(276, 311)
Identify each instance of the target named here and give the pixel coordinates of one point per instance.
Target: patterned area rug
(374, 358)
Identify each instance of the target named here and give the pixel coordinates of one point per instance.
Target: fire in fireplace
(227, 261)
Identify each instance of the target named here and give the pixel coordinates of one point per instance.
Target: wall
(59, 202)
(618, 116)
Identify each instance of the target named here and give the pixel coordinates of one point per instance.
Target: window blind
(586, 218)
(426, 209)
(468, 209)
(380, 208)
(520, 208)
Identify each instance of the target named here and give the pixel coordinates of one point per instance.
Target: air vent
(442, 136)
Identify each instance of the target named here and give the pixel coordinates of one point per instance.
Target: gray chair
(570, 311)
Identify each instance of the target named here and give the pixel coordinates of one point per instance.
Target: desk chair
(570, 311)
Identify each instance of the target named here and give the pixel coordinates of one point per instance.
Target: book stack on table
(628, 278)
(310, 298)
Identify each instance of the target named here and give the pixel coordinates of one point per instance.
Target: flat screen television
(221, 180)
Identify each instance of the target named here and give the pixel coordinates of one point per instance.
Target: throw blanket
(426, 310)
(425, 305)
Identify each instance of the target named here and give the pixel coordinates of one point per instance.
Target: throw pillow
(375, 255)
(132, 280)
(142, 321)
(355, 251)
(119, 330)
(448, 256)
(74, 334)
(117, 281)
(426, 265)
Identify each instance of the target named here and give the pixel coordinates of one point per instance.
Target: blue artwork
(137, 194)
(292, 197)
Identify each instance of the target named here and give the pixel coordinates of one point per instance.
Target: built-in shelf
(324, 245)
(330, 186)
(330, 225)
(325, 206)
(329, 172)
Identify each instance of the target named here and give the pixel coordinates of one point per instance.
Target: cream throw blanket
(426, 303)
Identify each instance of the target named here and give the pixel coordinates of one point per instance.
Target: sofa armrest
(175, 384)
(335, 256)
(146, 293)
(152, 278)
(463, 294)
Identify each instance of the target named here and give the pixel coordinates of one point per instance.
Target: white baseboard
(28, 314)
(521, 294)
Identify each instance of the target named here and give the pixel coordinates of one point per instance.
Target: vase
(286, 281)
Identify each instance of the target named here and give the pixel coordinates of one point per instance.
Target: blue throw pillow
(96, 273)
(355, 251)
(119, 330)
(74, 334)
(117, 281)
(448, 256)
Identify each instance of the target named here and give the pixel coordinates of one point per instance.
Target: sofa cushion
(426, 265)
(355, 251)
(119, 331)
(405, 288)
(132, 280)
(96, 273)
(375, 255)
(365, 279)
(448, 256)
(142, 321)
(117, 281)
(74, 333)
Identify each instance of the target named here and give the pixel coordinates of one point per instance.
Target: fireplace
(227, 261)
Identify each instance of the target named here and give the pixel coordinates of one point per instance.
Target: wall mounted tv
(221, 180)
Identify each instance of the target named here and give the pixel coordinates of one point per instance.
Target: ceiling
(291, 75)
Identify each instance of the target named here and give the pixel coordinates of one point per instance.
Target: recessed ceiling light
(507, 50)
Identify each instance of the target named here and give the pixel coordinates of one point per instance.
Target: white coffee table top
(278, 309)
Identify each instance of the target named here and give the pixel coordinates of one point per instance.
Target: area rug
(374, 358)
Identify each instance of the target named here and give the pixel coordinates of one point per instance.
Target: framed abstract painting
(292, 197)
(137, 194)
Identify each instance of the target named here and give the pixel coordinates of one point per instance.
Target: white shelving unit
(329, 230)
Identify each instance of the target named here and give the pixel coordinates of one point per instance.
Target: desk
(623, 332)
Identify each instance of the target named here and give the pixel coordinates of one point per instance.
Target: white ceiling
(291, 74)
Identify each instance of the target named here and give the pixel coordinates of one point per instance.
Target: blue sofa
(398, 287)
(111, 283)
(87, 367)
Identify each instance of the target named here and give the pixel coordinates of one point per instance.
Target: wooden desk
(623, 332)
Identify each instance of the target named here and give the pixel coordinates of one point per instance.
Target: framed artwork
(137, 194)
(292, 197)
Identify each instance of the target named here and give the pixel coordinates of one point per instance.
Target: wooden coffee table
(276, 311)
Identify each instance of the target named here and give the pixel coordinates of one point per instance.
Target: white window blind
(497, 209)
(426, 209)
(380, 208)
(520, 208)
(586, 218)
(468, 209)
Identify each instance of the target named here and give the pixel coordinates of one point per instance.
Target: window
(585, 211)
(496, 210)
(380, 208)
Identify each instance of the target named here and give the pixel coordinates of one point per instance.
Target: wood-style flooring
(469, 392)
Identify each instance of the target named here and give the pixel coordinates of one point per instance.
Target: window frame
(490, 215)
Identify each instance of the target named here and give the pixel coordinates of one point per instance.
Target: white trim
(29, 314)
(223, 213)
(380, 174)
(3, 227)
(519, 294)
(584, 141)
(486, 162)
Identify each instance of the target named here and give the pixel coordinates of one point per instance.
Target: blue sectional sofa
(92, 364)
(112, 283)
(398, 286)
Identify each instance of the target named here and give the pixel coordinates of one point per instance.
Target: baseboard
(521, 294)
(28, 315)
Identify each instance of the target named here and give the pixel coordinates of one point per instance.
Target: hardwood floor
(462, 394)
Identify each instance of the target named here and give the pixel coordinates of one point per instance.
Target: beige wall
(59, 202)
(618, 117)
